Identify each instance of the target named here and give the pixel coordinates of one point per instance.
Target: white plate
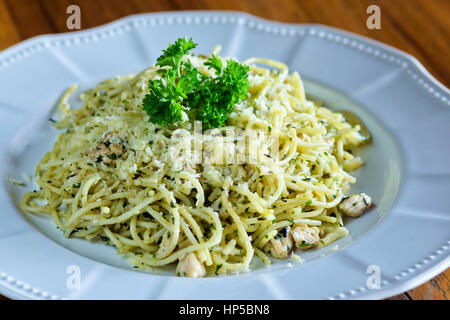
(407, 167)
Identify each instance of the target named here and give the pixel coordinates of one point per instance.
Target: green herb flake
(305, 244)
(218, 268)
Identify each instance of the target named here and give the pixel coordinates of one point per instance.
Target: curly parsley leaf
(218, 96)
(215, 63)
(173, 55)
(163, 103)
(183, 87)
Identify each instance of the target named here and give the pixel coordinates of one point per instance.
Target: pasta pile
(115, 177)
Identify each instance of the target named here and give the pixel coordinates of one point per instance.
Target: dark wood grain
(437, 288)
(419, 27)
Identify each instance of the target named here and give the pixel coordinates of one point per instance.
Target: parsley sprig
(163, 103)
(218, 96)
(182, 89)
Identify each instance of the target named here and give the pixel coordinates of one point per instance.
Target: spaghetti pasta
(114, 176)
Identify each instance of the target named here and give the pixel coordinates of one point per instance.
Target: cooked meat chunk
(280, 246)
(304, 236)
(165, 243)
(190, 266)
(356, 204)
(106, 151)
(116, 148)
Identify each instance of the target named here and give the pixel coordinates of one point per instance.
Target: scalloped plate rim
(402, 285)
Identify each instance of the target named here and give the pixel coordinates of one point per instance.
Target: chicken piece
(116, 148)
(165, 243)
(305, 237)
(280, 246)
(190, 266)
(355, 205)
(106, 151)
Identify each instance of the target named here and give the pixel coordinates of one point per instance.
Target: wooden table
(419, 27)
